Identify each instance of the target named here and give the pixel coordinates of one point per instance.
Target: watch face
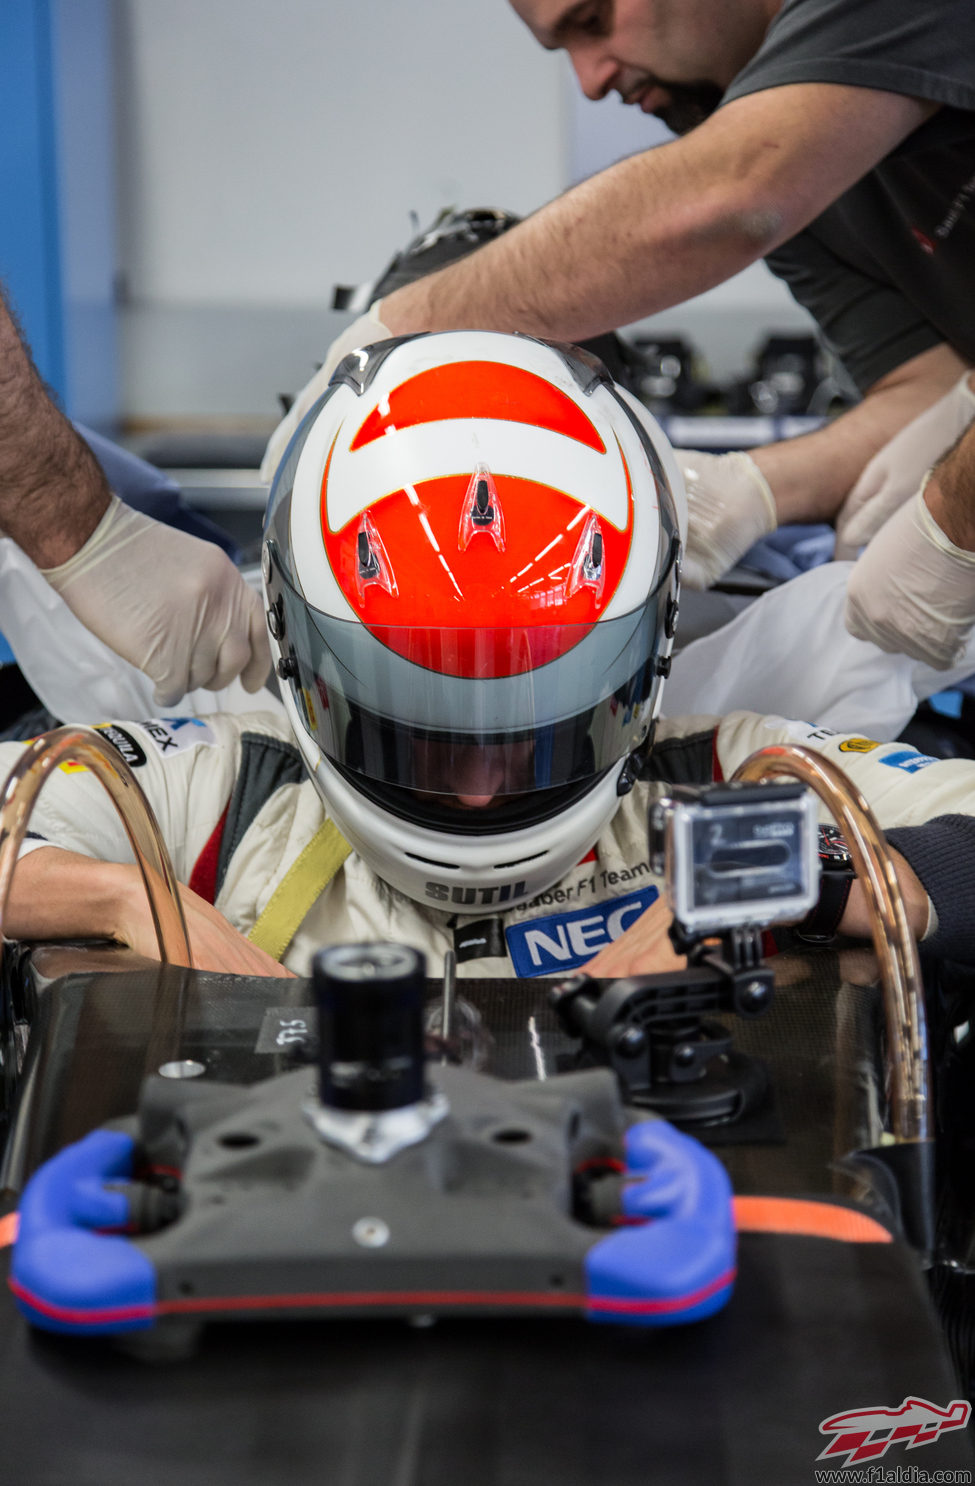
(834, 854)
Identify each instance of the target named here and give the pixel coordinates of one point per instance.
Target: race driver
(471, 568)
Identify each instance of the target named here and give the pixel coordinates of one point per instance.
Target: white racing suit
(237, 808)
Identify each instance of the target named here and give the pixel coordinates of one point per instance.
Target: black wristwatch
(837, 872)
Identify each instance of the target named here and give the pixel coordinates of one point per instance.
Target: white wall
(270, 151)
(267, 152)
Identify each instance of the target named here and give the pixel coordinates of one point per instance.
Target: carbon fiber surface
(98, 1034)
(815, 1326)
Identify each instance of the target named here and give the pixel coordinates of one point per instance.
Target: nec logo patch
(564, 941)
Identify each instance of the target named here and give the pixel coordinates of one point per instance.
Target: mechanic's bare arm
(57, 894)
(950, 492)
(645, 948)
(733, 500)
(52, 490)
(172, 605)
(810, 476)
(667, 224)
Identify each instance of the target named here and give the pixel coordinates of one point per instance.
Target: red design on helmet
(448, 551)
(479, 389)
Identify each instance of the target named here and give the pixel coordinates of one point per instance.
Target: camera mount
(654, 1032)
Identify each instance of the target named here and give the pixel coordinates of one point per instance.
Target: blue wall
(57, 171)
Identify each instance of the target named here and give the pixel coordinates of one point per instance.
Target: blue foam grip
(678, 1263)
(66, 1276)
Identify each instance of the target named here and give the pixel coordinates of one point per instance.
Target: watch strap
(822, 922)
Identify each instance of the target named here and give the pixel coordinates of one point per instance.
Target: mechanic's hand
(172, 605)
(214, 943)
(642, 949)
(362, 332)
(896, 471)
(913, 590)
(729, 507)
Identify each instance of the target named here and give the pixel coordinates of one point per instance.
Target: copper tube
(19, 795)
(910, 1089)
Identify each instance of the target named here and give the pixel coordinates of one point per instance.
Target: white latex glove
(172, 605)
(729, 507)
(362, 332)
(913, 590)
(896, 471)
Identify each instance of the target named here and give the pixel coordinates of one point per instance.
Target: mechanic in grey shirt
(886, 269)
(843, 149)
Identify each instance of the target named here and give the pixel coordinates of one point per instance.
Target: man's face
(470, 776)
(671, 58)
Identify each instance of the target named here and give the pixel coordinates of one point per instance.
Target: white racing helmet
(471, 563)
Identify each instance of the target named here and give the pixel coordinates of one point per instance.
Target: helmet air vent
(586, 569)
(482, 510)
(368, 561)
(372, 565)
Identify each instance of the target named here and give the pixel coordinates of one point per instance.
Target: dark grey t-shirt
(889, 269)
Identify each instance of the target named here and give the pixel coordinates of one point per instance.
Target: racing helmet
(471, 567)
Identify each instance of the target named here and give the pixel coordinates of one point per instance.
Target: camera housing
(736, 855)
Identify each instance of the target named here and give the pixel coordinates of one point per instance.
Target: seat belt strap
(305, 880)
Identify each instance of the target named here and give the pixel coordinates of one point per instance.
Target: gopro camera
(736, 854)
